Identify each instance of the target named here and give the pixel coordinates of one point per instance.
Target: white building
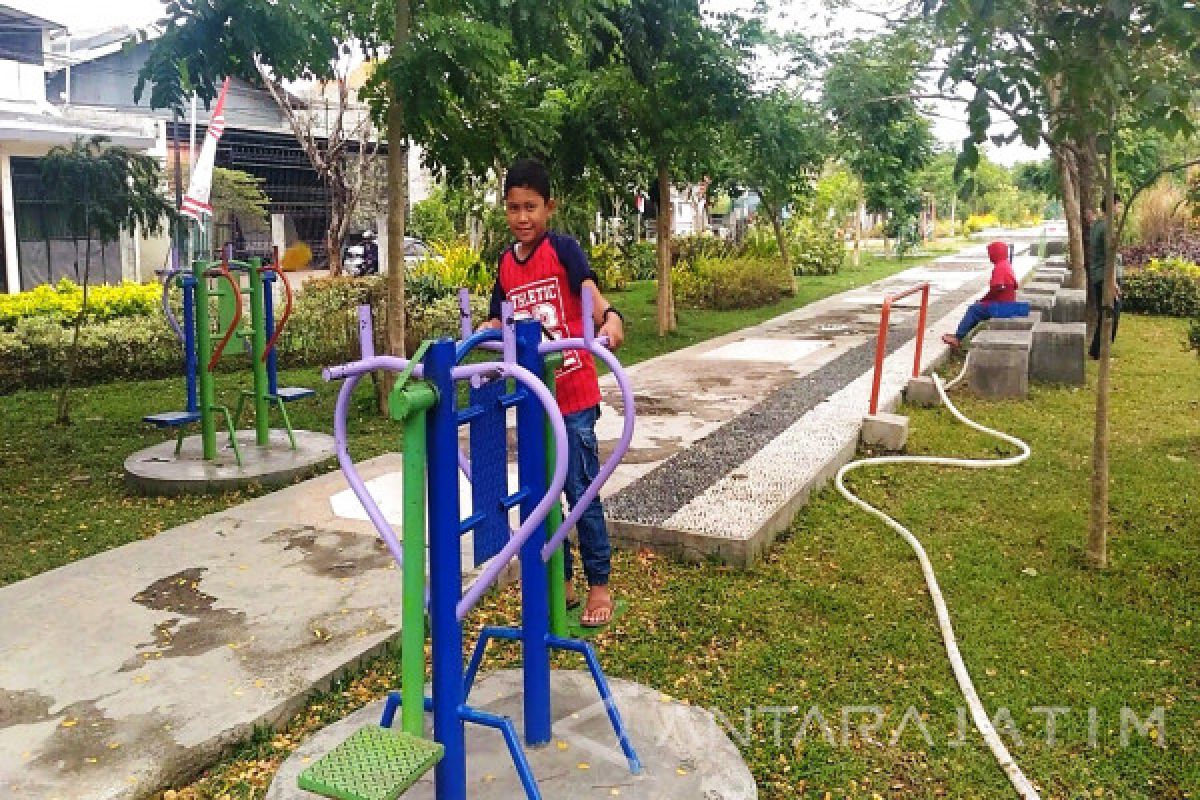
(31, 251)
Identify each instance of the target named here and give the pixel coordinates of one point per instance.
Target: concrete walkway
(131, 670)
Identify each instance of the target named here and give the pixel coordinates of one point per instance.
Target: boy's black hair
(1104, 201)
(528, 173)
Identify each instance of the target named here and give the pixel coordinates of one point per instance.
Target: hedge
(1170, 287)
(62, 301)
(723, 284)
(323, 330)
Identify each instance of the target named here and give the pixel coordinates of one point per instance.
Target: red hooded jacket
(1003, 286)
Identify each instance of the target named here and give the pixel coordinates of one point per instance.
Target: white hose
(1024, 788)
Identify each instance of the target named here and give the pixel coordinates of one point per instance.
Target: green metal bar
(258, 346)
(410, 404)
(204, 346)
(556, 567)
(287, 421)
(233, 442)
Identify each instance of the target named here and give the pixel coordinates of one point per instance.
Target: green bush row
(323, 330)
(723, 284)
(1170, 291)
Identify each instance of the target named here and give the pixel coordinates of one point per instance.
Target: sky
(807, 16)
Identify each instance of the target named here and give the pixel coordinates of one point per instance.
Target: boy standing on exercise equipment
(544, 275)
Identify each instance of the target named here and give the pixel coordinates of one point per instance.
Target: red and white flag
(639, 201)
(195, 202)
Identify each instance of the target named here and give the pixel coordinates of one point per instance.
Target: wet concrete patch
(23, 707)
(333, 554)
(205, 629)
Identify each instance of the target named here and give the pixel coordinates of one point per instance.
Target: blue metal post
(268, 279)
(190, 362)
(535, 603)
(445, 570)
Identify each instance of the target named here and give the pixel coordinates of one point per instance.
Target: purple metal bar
(618, 452)
(508, 333)
(366, 332)
(464, 312)
(498, 562)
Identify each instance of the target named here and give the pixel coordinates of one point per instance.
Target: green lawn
(62, 495)
(838, 616)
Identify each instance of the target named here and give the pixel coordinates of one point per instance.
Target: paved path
(132, 669)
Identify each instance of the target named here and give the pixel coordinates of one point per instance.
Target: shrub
(978, 222)
(642, 261)
(1170, 287)
(430, 220)
(1158, 214)
(456, 265)
(690, 249)
(323, 330)
(1185, 246)
(815, 249)
(610, 266)
(60, 302)
(723, 284)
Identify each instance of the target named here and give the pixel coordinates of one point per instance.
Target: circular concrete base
(157, 471)
(684, 753)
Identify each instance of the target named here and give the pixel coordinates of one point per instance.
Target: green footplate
(577, 630)
(374, 764)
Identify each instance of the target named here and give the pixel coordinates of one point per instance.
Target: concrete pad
(684, 752)
(1040, 288)
(1015, 323)
(886, 431)
(1058, 353)
(134, 669)
(157, 471)
(773, 350)
(1043, 303)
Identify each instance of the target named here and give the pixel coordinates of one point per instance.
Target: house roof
(15, 18)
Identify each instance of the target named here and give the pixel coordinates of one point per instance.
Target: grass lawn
(837, 616)
(62, 495)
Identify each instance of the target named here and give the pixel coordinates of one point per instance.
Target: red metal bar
(223, 272)
(287, 309)
(881, 341)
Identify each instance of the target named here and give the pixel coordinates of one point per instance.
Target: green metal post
(208, 426)
(258, 346)
(556, 567)
(409, 403)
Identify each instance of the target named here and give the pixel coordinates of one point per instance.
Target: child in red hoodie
(1001, 289)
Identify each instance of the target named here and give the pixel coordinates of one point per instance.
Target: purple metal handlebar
(168, 276)
(353, 373)
(498, 562)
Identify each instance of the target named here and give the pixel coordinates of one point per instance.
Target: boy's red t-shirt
(548, 285)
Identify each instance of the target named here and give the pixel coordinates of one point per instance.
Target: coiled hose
(1024, 788)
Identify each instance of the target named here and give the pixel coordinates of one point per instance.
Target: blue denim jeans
(976, 313)
(583, 464)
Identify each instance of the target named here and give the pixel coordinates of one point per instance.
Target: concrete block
(886, 431)
(1058, 352)
(1056, 247)
(1015, 323)
(1070, 305)
(1055, 276)
(1040, 288)
(922, 392)
(999, 364)
(1043, 303)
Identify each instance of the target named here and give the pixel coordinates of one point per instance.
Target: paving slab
(684, 752)
(133, 669)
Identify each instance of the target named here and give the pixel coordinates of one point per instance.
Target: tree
(780, 148)
(1070, 73)
(98, 190)
(884, 139)
(342, 151)
(676, 82)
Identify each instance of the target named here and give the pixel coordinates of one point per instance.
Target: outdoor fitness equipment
(386, 761)
(201, 358)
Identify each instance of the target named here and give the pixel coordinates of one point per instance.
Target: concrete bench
(1024, 323)
(1070, 305)
(1057, 355)
(999, 364)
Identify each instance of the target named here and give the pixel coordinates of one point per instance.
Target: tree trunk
(780, 239)
(335, 234)
(1097, 544)
(63, 417)
(858, 230)
(1068, 177)
(666, 296)
(397, 167)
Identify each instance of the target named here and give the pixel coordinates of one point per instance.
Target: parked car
(361, 256)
